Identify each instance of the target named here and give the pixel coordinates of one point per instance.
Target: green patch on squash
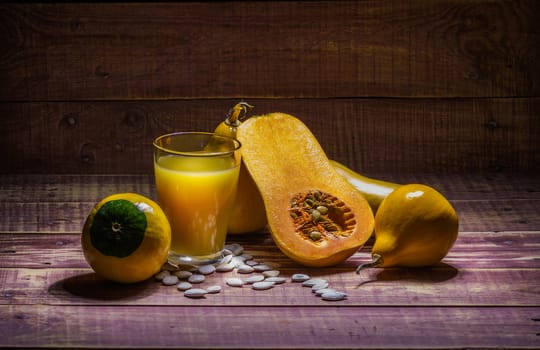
(118, 228)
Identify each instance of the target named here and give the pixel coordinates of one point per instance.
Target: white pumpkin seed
(333, 296)
(262, 285)
(225, 267)
(184, 286)
(313, 281)
(255, 278)
(246, 256)
(318, 286)
(195, 293)
(235, 282)
(276, 279)
(251, 262)
(196, 278)
(324, 290)
(237, 261)
(213, 289)
(182, 274)
(235, 248)
(245, 269)
(226, 259)
(262, 268)
(160, 275)
(300, 277)
(170, 280)
(207, 269)
(271, 273)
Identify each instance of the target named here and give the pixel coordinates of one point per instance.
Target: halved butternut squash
(315, 216)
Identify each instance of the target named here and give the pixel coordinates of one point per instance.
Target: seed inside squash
(318, 216)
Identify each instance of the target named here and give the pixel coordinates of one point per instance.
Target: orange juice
(197, 195)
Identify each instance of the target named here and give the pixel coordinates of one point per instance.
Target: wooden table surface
(485, 294)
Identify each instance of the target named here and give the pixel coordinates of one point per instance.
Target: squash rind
(284, 158)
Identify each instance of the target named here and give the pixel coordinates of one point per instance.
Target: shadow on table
(91, 286)
(434, 274)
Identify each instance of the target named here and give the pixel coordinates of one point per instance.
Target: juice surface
(196, 194)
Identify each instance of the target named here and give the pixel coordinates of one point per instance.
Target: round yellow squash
(126, 238)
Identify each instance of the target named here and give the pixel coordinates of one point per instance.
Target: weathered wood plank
(92, 188)
(68, 217)
(269, 327)
(270, 49)
(472, 250)
(443, 285)
(380, 136)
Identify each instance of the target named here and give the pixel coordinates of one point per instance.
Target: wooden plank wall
(386, 86)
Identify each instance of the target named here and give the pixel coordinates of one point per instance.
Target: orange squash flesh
(285, 159)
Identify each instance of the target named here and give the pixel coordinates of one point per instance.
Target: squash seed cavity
(319, 216)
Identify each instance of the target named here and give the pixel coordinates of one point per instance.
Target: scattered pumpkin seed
(333, 296)
(271, 273)
(276, 279)
(181, 274)
(183, 286)
(226, 267)
(251, 262)
(245, 269)
(196, 278)
(247, 256)
(318, 286)
(226, 259)
(160, 275)
(207, 269)
(300, 277)
(235, 248)
(324, 290)
(313, 281)
(262, 285)
(213, 289)
(195, 293)
(262, 268)
(170, 280)
(254, 279)
(235, 282)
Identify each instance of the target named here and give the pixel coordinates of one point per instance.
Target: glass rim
(237, 144)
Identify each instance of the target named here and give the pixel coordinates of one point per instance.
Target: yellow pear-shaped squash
(415, 226)
(248, 213)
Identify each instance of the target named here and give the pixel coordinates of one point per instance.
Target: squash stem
(238, 112)
(377, 261)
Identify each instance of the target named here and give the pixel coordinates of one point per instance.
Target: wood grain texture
(373, 135)
(473, 250)
(443, 285)
(60, 204)
(485, 293)
(490, 215)
(31, 188)
(269, 49)
(225, 327)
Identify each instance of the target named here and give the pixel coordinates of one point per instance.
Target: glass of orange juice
(196, 178)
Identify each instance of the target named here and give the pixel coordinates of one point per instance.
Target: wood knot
(87, 153)
(134, 119)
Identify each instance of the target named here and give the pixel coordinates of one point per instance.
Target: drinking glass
(196, 177)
